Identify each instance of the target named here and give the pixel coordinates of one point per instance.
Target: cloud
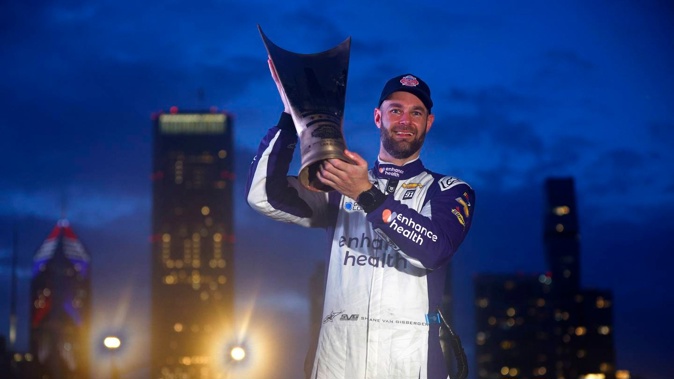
(292, 302)
(562, 70)
(498, 114)
(622, 173)
(661, 134)
(92, 209)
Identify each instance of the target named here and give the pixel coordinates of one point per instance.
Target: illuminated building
(192, 244)
(514, 322)
(61, 306)
(546, 325)
(561, 235)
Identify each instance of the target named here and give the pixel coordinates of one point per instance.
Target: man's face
(403, 121)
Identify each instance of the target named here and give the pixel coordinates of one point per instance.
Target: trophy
(315, 86)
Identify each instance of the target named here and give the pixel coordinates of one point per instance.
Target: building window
(561, 210)
(507, 345)
(602, 303)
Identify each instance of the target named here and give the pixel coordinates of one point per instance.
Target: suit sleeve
(269, 189)
(428, 238)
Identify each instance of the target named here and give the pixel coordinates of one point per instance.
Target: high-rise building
(192, 244)
(561, 234)
(546, 325)
(61, 306)
(514, 320)
(561, 237)
(594, 333)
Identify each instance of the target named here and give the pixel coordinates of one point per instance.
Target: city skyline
(546, 324)
(523, 91)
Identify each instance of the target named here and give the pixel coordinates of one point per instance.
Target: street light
(237, 353)
(112, 343)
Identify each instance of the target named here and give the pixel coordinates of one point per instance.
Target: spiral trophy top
(315, 86)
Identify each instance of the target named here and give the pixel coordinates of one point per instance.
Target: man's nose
(405, 118)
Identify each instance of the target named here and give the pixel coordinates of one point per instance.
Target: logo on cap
(409, 81)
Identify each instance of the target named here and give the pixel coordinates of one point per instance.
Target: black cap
(408, 83)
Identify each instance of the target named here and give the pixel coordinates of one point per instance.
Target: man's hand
(350, 179)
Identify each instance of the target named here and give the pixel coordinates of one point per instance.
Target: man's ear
(377, 118)
(429, 122)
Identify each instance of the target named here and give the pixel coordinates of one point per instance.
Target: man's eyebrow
(397, 105)
(400, 105)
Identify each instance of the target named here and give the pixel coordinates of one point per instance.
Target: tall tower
(562, 249)
(561, 234)
(583, 317)
(61, 306)
(192, 244)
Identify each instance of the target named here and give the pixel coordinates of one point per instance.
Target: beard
(400, 149)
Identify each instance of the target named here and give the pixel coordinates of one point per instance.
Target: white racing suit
(386, 269)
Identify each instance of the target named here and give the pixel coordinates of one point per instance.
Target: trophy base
(308, 171)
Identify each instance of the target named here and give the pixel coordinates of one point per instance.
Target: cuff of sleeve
(285, 122)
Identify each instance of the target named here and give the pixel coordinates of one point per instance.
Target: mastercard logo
(388, 216)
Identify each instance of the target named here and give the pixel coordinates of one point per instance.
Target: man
(392, 229)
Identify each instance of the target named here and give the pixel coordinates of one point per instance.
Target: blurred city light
(112, 342)
(237, 353)
(593, 376)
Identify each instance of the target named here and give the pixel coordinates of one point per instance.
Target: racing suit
(386, 269)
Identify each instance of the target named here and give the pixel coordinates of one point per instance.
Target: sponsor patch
(347, 317)
(433, 318)
(447, 182)
(387, 215)
(409, 81)
(331, 316)
(352, 206)
(408, 227)
(384, 260)
(459, 216)
(465, 203)
(409, 194)
(391, 171)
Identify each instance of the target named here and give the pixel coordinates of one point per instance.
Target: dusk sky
(523, 91)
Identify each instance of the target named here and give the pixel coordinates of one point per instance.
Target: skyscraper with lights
(61, 306)
(192, 244)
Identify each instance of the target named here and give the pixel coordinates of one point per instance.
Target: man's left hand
(350, 179)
